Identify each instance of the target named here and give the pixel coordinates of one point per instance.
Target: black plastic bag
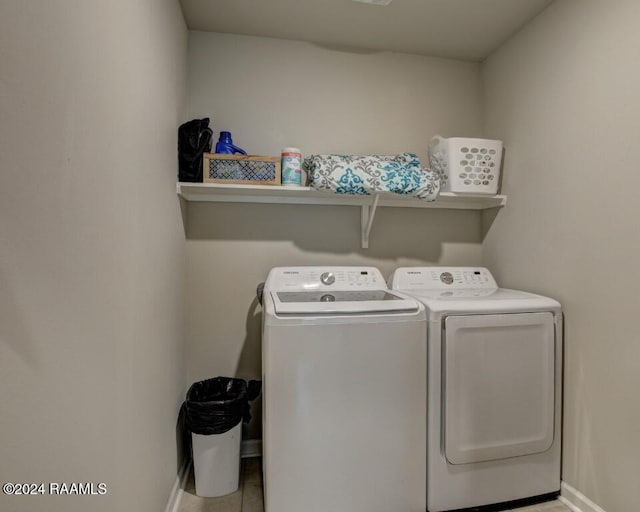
(194, 139)
(215, 406)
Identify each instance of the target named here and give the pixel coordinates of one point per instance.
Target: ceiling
(458, 29)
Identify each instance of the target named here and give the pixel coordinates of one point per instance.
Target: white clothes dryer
(494, 388)
(344, 388)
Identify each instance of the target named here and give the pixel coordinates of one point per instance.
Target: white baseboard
(178, 487)
(576, 501)
(251, 448)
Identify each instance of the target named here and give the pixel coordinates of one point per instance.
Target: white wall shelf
(214, 192)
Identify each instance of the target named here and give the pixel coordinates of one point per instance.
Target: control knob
(328, 278)
(446, 278)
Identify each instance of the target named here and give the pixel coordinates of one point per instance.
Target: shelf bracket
(368, 212)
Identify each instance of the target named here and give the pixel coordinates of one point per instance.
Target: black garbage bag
(215, 406)
(194, 139)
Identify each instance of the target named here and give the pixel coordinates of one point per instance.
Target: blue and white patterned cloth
(372, 174)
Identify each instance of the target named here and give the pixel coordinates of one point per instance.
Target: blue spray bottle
(225, 145)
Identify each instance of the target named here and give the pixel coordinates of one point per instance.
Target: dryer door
(498, 393)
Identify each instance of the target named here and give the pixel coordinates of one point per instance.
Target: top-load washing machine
(494, 388)
(344, 369)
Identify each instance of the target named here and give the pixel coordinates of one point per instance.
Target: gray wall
(272, 93)
(563, 94)
(91, 250)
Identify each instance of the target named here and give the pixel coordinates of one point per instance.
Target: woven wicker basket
(241, 169)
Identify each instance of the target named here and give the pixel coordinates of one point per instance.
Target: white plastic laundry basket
(216, 462)
(466, 166)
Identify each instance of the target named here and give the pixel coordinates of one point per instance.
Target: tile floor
(248, 498)
(549, 506)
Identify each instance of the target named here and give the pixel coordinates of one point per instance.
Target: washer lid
(341, 302)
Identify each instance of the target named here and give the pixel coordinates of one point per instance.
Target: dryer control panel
(442, 278)
(325, 278)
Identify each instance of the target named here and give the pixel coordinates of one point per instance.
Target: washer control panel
(325, 278)
(442, 278)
